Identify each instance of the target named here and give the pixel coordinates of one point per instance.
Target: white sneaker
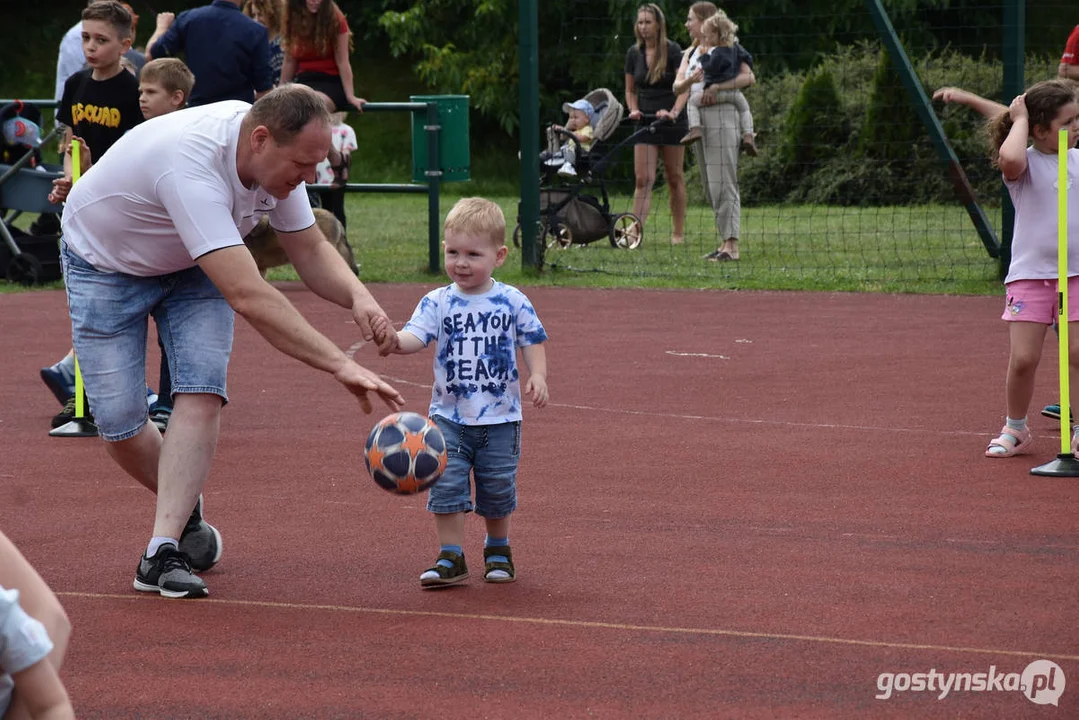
(555, 160)
(567, 171)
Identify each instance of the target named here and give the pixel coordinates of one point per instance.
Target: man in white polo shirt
(156, 228)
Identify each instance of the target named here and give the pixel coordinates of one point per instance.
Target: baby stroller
(25, 183)
(570, 216)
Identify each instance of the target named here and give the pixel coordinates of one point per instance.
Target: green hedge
(845, 133)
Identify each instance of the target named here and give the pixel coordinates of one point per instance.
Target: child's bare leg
(451, 528)
(500, 527)
(1026, 341)
(450, 566)
(1026, 352)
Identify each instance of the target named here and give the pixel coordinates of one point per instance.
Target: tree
(470, 46)
(467, 47)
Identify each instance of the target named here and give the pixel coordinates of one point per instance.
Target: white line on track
(738, 420)
(351, 351)
(694, 354)
(595, 625)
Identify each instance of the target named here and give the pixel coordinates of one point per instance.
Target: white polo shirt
(168, 192)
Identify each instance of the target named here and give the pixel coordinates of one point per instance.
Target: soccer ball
(405, 453)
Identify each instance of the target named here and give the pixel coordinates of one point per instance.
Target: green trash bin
(453, 151)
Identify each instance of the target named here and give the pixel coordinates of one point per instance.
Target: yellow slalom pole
(80, 389)
(1062, 290)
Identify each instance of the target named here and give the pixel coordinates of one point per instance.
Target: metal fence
(848, 188)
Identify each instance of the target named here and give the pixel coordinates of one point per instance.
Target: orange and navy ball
(405, 453)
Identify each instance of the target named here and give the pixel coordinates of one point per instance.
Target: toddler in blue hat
(580, 116)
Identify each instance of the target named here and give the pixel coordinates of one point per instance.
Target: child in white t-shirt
(476, 325)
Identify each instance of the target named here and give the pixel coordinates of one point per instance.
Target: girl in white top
(1031, 175)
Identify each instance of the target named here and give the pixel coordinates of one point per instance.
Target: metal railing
(432, 188)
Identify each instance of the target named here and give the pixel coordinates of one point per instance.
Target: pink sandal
(1023, 438)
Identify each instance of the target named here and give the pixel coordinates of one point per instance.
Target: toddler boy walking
(477, 324)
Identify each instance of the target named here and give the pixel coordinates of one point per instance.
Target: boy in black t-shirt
(100, 103)
(98, 106)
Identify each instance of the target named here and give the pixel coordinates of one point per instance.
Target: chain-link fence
(847, 188)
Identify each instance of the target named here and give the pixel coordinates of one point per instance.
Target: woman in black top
(651, 65)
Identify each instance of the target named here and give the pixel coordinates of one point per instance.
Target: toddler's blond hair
(724, 29)
(478, 216)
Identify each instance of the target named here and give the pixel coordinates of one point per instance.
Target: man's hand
(365, 311)
(360, 381)
(164, 20)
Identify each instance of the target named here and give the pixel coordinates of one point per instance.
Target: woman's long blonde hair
(1043, 100)
(659, 62)
(702, 11)
(318, 29)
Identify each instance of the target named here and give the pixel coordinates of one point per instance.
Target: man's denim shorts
(491, 452)
(109, 318)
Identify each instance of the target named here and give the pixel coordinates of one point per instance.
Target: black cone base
(76, 428)
(1064, 465)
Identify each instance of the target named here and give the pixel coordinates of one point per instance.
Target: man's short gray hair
(287, 110)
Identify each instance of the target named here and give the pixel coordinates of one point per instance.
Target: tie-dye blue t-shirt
(476, 339)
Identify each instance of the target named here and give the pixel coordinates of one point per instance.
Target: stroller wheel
(24, 269)
(559, 235)
(626, 231)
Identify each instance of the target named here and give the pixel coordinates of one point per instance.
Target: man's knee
(207, 405)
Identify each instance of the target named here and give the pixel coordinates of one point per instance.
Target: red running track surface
(738, 504)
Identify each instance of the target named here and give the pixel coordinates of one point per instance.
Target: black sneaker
(68, 414)
(440, 576)
(169, 573)
(200, 541)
